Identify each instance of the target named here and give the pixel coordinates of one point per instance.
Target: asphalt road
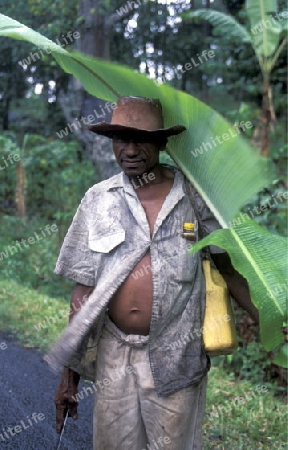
(27, 388)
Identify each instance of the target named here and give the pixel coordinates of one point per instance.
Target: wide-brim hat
(137, 117)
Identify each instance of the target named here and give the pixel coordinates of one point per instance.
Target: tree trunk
(20, 191)
(268, 117)
(77, 103)
(266, 121)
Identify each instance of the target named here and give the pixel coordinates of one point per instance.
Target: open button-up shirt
(108, 236)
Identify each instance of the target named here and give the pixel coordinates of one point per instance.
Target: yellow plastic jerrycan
(219, 332)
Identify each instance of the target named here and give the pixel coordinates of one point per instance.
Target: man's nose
(131, 149)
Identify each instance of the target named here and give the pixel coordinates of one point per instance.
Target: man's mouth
(132, 163)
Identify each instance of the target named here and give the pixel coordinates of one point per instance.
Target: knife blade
(62, 431)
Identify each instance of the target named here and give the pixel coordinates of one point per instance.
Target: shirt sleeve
(209, 222)
(75, 260)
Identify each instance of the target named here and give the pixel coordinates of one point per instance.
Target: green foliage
(31, 265)
(238, 415)
(109, 81)
(161, 44)
(264, 38)
(274, 215)
(244, 407)
(56, 179)
(251, 362)
(265, 41)
(23, 310)
(223, 24)
(240, 174)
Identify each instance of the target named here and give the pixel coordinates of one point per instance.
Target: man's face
(134, 157)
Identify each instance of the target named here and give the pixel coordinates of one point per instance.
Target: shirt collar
(122, 181)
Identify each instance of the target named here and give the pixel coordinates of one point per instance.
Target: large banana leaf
(226, 175)
(223, 24)
(265, 29)
(261, 257)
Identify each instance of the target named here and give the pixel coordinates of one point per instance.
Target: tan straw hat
(136, 117)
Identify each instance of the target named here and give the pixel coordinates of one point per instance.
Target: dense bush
(27, 264)
(55, 178)
(55, 181)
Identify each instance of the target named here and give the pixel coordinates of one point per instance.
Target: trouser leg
(174, 422)
(129, 415)
(117, 422)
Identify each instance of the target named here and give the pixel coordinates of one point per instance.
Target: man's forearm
(79, 296)
(70, 376)
(237, 285)
(238, 288)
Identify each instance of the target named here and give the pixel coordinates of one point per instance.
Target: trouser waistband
(134, 340)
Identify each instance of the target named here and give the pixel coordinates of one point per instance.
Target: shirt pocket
(106, 249)
(107, 243)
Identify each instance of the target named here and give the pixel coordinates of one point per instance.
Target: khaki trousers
(128, 414)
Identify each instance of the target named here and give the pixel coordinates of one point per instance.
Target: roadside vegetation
(243, 411)
(42, 178)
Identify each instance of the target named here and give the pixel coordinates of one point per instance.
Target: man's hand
(64, 401)
(67, 388)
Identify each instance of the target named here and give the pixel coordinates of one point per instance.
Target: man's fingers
(61, 413)
(60, 417)
(73, 413)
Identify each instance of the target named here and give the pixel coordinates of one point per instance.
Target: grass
(249, 415)
(240, 415)
(35, 319)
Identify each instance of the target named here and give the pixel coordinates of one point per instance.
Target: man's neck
(158, 174)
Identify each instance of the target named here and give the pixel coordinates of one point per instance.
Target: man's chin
(137, 171)
(133, 171)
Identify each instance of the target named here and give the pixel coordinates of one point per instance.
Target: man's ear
(162, 144)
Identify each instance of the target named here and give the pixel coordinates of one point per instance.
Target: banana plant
(226, 174)
(267, 36)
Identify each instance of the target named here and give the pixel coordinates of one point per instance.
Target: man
(127, 236)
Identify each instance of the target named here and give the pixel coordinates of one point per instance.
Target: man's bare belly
(130, 307)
